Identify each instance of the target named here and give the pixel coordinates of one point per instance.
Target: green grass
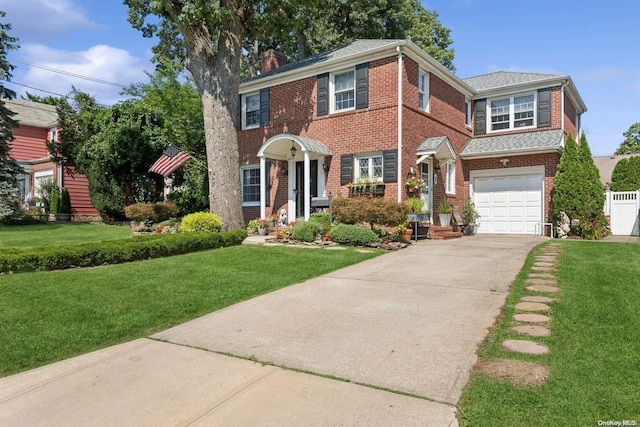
(49, 316)
(28, 236)
(594, 358)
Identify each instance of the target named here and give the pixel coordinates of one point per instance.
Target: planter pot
(445, 220)
(412, 217)
(262, 231)
(63, 217)
(470, 229)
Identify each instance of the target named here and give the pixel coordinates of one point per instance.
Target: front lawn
(594, 359)
(49, 316)
(56, 233)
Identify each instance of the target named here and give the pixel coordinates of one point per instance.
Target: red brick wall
(548, 160)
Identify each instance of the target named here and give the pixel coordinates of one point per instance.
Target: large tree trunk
(216, 71)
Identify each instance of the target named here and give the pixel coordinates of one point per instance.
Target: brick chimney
(272, 59)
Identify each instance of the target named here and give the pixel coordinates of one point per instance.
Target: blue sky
(591, 41)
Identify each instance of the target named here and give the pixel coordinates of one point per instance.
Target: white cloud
(100, 62)
(45, 18)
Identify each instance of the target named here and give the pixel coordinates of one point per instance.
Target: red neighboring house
(38, 124)
(382, 109)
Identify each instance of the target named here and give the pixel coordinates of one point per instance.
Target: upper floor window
(250, 185)
(344, 91)
(251, 111)
(467, 112)
(369, 167)
(423, 91)
(513, 112)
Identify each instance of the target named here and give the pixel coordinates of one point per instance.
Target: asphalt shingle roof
(355, 47)
(514, 143)
(501, 79)
(33, 113)
(432, 144)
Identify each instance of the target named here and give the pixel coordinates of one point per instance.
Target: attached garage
(509, 201)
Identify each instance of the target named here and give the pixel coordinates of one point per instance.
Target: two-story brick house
(383, 109)
(38, 123)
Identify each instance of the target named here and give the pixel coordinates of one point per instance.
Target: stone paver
(532, 306)
(542, 269)
(546, 282)
(536, 298)
(542, 276)
(543, 288)
(531, 318)
(525, 347)
(547, 258)
(544, 264)
(532, 330)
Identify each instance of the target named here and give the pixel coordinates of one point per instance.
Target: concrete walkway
(408, 321)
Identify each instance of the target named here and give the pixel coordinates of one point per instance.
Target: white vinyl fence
(623, 208)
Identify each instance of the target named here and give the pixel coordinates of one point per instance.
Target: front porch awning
(439, 147)
(279, 147)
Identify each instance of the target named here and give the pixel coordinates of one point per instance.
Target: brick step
(445, 235)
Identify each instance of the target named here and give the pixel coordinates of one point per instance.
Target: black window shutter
(346, 169)
(480, 117)
(323, 94)
(267, 171)
(544, 107)
(362, 85)
(264, 107)
(390, 166)
(239, 112)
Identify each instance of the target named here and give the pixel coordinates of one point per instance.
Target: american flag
(172, 159)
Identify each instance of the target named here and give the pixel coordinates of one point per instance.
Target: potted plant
(415, 204)
(444, 212)
(263, 227)
(414, 184)
(470, 215)
(63, 211)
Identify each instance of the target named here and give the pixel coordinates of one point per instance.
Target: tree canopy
(577, 190)
(631, 143)
(9, 168)
(626, 175)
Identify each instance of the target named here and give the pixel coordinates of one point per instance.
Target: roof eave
(492, 154)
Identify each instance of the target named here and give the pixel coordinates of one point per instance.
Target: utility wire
(67, 73)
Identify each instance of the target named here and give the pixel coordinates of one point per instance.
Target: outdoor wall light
(284, 171)
(437, 168)
(504, 162)
(293, 150)
(325, 167)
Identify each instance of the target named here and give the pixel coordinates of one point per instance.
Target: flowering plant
(414, 183)
(263, 223)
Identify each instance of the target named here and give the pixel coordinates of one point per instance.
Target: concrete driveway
(408, 321)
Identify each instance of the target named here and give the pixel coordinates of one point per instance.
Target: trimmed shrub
(348, 234)
(156, 212)
(65, 202)
(54, 202)
(305, 231)
(201, 222)
(373, 211)
(322, 218)
(136, 248)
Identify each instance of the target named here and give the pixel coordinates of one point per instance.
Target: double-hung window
(251, 111)
(344, 91)
(250, 184)
(423, 91)
(450, 177)
(513, 113)
(467, 112)
(369, 167)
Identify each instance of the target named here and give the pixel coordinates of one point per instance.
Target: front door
(427, 178)
(299, 188)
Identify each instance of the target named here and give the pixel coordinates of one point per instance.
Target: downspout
(399, 171)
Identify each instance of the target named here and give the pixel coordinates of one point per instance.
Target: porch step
(443, 233)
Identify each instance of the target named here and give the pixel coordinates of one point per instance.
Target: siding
(29, 143)
(78, 187)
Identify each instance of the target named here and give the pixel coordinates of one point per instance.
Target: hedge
(348, 234)
(136, 248)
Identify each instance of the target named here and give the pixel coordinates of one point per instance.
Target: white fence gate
(623, 208)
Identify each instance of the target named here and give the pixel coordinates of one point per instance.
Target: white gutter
(399, 171)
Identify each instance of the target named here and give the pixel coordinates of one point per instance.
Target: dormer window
(513, 112)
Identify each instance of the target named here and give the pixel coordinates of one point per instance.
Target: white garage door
(509, 204)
